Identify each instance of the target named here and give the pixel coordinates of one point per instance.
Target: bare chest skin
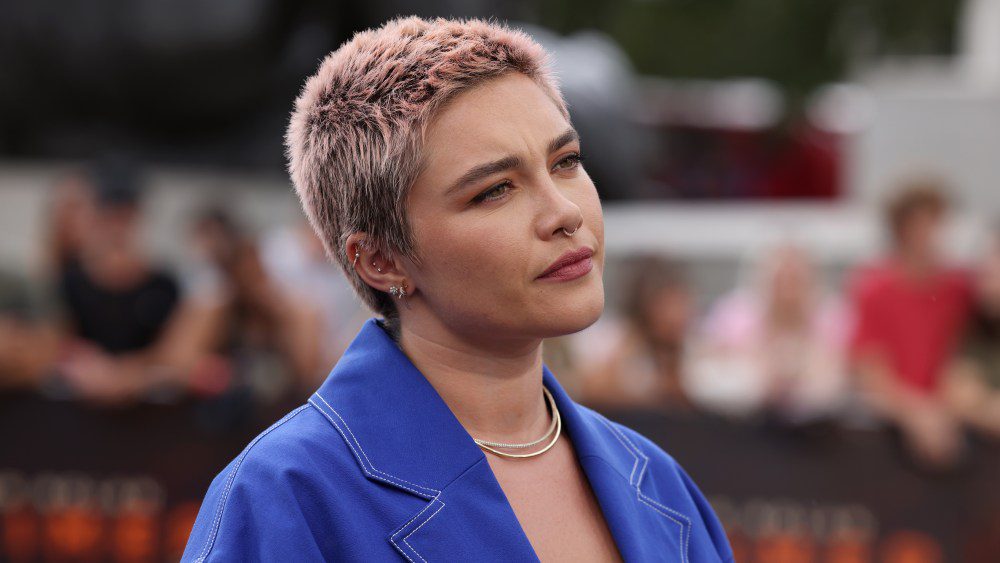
(555, 505)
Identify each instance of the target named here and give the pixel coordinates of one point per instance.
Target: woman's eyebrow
(485, 170)
(481, 171)
(567, 137)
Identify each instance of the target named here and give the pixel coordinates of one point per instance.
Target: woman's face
(483, 241)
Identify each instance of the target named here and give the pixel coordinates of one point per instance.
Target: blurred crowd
(912, 338)
(262, 316)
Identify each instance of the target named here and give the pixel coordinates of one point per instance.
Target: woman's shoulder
(269, 487)
(292, 445)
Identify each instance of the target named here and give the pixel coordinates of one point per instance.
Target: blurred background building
(803, 277)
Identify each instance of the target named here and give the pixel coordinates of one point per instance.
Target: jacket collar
(403, 434)
(398, 425)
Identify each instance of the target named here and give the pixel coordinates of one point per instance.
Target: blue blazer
(375, 467)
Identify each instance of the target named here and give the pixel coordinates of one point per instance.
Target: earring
(377, 268)
(397, 291)
(357, 251)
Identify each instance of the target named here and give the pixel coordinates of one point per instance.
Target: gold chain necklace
(555, 425)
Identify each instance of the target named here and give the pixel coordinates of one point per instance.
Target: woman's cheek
(465, 251)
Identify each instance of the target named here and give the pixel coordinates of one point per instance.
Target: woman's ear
(378, 271)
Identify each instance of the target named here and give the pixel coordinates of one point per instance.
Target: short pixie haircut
(354, 141)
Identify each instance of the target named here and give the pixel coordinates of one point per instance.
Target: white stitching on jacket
(397, 481)
(210, 541)
(403, 527)
(385, 476)
(407, 536)
(684, 538)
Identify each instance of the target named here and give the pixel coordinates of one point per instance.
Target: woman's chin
(561, 318)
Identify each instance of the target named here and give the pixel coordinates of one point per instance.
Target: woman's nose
(556, 209)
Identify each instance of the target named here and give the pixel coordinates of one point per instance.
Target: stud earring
(377, 268)
(397, 291)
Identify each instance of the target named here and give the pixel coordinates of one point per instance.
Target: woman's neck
(494, 389)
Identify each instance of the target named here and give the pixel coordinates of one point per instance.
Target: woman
(775, 343)
(437, 162)
(261, 322)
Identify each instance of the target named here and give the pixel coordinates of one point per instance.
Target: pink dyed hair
(355, 136)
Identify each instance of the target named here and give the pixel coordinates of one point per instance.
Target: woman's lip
(571, 271)
(568, 258)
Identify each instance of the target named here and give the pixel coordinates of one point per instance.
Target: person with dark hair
(973, 382)
(909, 309)
(70, 214)
(438, 165)
(643, 357)
(114, 301)
(293, 257)
(257, 321)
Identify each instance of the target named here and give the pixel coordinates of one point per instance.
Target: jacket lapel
(644, 529)
(402, 434)
(470, 521)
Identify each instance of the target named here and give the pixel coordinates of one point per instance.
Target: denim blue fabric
(375, 467)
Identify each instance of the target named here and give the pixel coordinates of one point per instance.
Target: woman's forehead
(508, 116)
(497, 113)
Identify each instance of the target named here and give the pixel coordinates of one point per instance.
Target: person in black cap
(115, 301)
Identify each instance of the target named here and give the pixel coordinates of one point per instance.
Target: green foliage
(797, 43)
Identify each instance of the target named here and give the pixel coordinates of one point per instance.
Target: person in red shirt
(910, 308)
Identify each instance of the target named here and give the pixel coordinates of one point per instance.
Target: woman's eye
(570, 162)
(495, 193)
(500, 191)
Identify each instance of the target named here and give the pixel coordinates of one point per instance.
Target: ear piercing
(357, 254)
(398, 291)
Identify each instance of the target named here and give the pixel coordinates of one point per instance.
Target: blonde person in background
(774, 344)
